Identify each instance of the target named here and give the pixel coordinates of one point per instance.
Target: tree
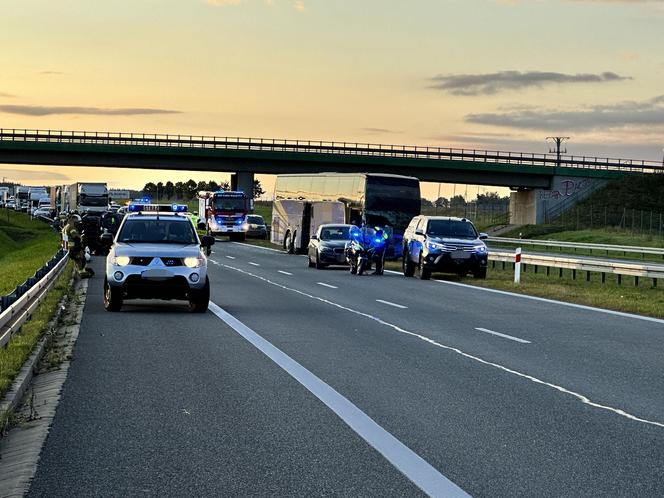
(150, 190)
(426, 202)
(179, 190)
(258, 189)
(190, 189)
(169, 190)
(160, 190)
(442, 203)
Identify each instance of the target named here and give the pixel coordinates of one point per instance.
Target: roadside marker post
(517, 266)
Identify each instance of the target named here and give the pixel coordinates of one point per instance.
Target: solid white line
(253, 264)
(230, 257)
(510, 337)
(552, 301)
(392, 304)
(409, 463)
(285, 272)
(327, 285)
(584, 399)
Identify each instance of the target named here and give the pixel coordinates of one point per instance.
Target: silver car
(157, 255)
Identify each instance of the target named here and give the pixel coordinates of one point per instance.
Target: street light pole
(558, 141)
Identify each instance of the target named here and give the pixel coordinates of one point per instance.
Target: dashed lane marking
(327, 285)
(286, 273)
(505, 336)
(395, 305)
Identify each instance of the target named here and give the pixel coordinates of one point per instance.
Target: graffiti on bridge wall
(565, 189)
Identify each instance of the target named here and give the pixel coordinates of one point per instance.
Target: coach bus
(371, 198)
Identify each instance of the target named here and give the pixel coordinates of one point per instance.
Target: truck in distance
(85, 197)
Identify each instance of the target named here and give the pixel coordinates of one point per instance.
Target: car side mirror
(207, 241)
(483, 236)
(107, 238)
(419, 232)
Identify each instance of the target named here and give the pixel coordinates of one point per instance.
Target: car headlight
(121, 260)
(245, 227)
(481, 249)
(435, 246)
(193, 262)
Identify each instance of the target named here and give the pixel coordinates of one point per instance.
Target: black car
(443, 244)
(327, 246)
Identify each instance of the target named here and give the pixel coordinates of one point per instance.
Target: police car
(157, 254)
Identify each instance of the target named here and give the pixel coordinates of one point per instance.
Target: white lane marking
(552, 301)
(230, 257)
(253, 264)
(392, 304)
(585, 400)
(510, 337)
(327, 285)
(260, 247)
(405, 460)
(285, 272)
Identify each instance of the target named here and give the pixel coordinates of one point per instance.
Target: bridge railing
(329, 147)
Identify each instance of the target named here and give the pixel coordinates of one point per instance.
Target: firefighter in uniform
(75, 245)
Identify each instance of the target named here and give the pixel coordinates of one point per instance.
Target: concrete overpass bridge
(541, 181)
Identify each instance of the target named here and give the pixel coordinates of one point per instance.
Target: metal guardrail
(329, 147)
(579, 245)
(16, 313)
(588, 265)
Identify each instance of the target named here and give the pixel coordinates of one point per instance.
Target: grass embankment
(21, 345)
(642, 300)
(25, 245)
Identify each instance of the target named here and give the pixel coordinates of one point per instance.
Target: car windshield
(163, 230)
(334, 233)
(255, 219)
(451, 228)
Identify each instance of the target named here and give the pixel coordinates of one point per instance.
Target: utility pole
(558, 141)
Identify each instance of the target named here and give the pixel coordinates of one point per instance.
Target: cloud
(4, 95)
(51, 72)
(491, 83)
(378, 131)
(37, 110)
(647, 113)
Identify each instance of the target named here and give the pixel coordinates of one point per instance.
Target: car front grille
(141, 260)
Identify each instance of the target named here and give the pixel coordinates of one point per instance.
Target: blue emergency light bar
(156, 208)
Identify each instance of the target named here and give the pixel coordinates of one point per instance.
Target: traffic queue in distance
(361, 220)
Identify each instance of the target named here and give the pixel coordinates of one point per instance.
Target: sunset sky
(452, 73)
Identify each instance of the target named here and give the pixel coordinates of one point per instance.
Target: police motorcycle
(366, 246)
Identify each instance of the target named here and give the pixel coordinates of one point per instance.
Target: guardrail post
(603, 277)
(654, 283)
(517, 266)
(636, 281)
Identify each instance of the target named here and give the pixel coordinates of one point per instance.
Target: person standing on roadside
(72, 230)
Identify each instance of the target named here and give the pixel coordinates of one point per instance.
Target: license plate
(156, 273)
(460, 255)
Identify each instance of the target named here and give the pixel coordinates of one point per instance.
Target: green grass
(25, 245)
(642, 300)
(21, 345)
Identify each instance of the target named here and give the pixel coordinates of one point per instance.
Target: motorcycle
(363, 249)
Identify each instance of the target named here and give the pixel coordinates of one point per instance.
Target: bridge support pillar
(533, 207)
(243, 181)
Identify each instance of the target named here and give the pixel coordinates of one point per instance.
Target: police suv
(157, 254)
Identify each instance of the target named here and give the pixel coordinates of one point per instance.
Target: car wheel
(112, 297)
(422, 272)
(480, 273)
(407, 265)
(199, 299)
(319, 265)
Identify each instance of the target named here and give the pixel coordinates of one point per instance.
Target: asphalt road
(501, 395)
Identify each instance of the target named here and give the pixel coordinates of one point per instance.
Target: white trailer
(294, 222)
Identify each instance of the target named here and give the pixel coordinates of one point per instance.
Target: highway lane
(489, 430)
(614, 360)
(588, 449)
(160, 402)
